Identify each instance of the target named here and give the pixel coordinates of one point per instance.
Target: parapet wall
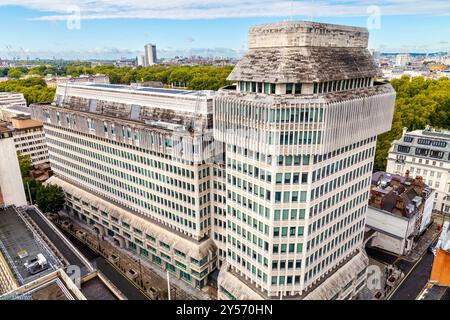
(306, 34)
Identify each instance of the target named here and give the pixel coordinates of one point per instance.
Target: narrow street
(415, 280)
(121, 282)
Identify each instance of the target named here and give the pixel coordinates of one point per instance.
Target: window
(436, 154)
(289, 88)
(408, 139)
(441, 144)
(403, 149)
(421, 152)
(424, 141)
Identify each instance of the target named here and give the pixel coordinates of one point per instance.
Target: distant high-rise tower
(140, 60)
(150, 54)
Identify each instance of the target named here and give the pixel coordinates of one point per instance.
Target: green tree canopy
(14, 73)
(419, 103)
(34, 89)
(50, 198)
(24, 164)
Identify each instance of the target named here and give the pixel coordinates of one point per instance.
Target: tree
(14, 73)
(50, 198)
(31, 187)
(419, 103)
(24, 165)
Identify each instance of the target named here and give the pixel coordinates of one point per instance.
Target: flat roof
(95, 289)
(118, 87)
(16, 238)
(71, 254)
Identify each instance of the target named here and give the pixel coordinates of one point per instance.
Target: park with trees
(419, 102)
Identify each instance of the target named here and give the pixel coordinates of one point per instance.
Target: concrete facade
(29, 139)
(141, 154)
(11, 186)
(299, 133)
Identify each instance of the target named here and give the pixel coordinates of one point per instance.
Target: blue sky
(112, 29)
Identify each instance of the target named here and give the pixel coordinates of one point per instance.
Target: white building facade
(29, 139)
(299, 132)
(132, 162)
(11, 185)
(424, 153)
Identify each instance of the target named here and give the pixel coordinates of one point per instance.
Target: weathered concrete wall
(306, 34)
(10, 178)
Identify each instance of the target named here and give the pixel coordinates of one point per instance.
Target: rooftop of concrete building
(24, 122)
(156, 108)
(305, 52)
(19, 244)
(140, 90)
(53, 286)
(399, 195)
(430, 132)
(5, 127)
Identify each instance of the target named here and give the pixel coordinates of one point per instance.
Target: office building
(29, 139)
(11, 186)
(150, 55)
(299, 130)
(267, 180)
(12, 98)
(424, 153)
(132, 162)
(12, 104)
(400, 209)
(140, 60)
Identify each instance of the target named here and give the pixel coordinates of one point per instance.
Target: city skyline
(206, 28)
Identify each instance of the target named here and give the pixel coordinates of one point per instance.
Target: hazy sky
(111, 29)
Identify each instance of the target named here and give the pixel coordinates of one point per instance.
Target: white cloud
(211, 9)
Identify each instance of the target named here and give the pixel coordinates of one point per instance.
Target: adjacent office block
(132, 164)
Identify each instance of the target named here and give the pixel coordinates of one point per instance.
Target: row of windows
(335, 153)
(148, 237)
(341, 85)
(342, 164)
(303, 113)
(344, 249)
(299, 138)
(257, 87)
(112, 163)
(126, 199)
(112, 147)
(257, 272)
